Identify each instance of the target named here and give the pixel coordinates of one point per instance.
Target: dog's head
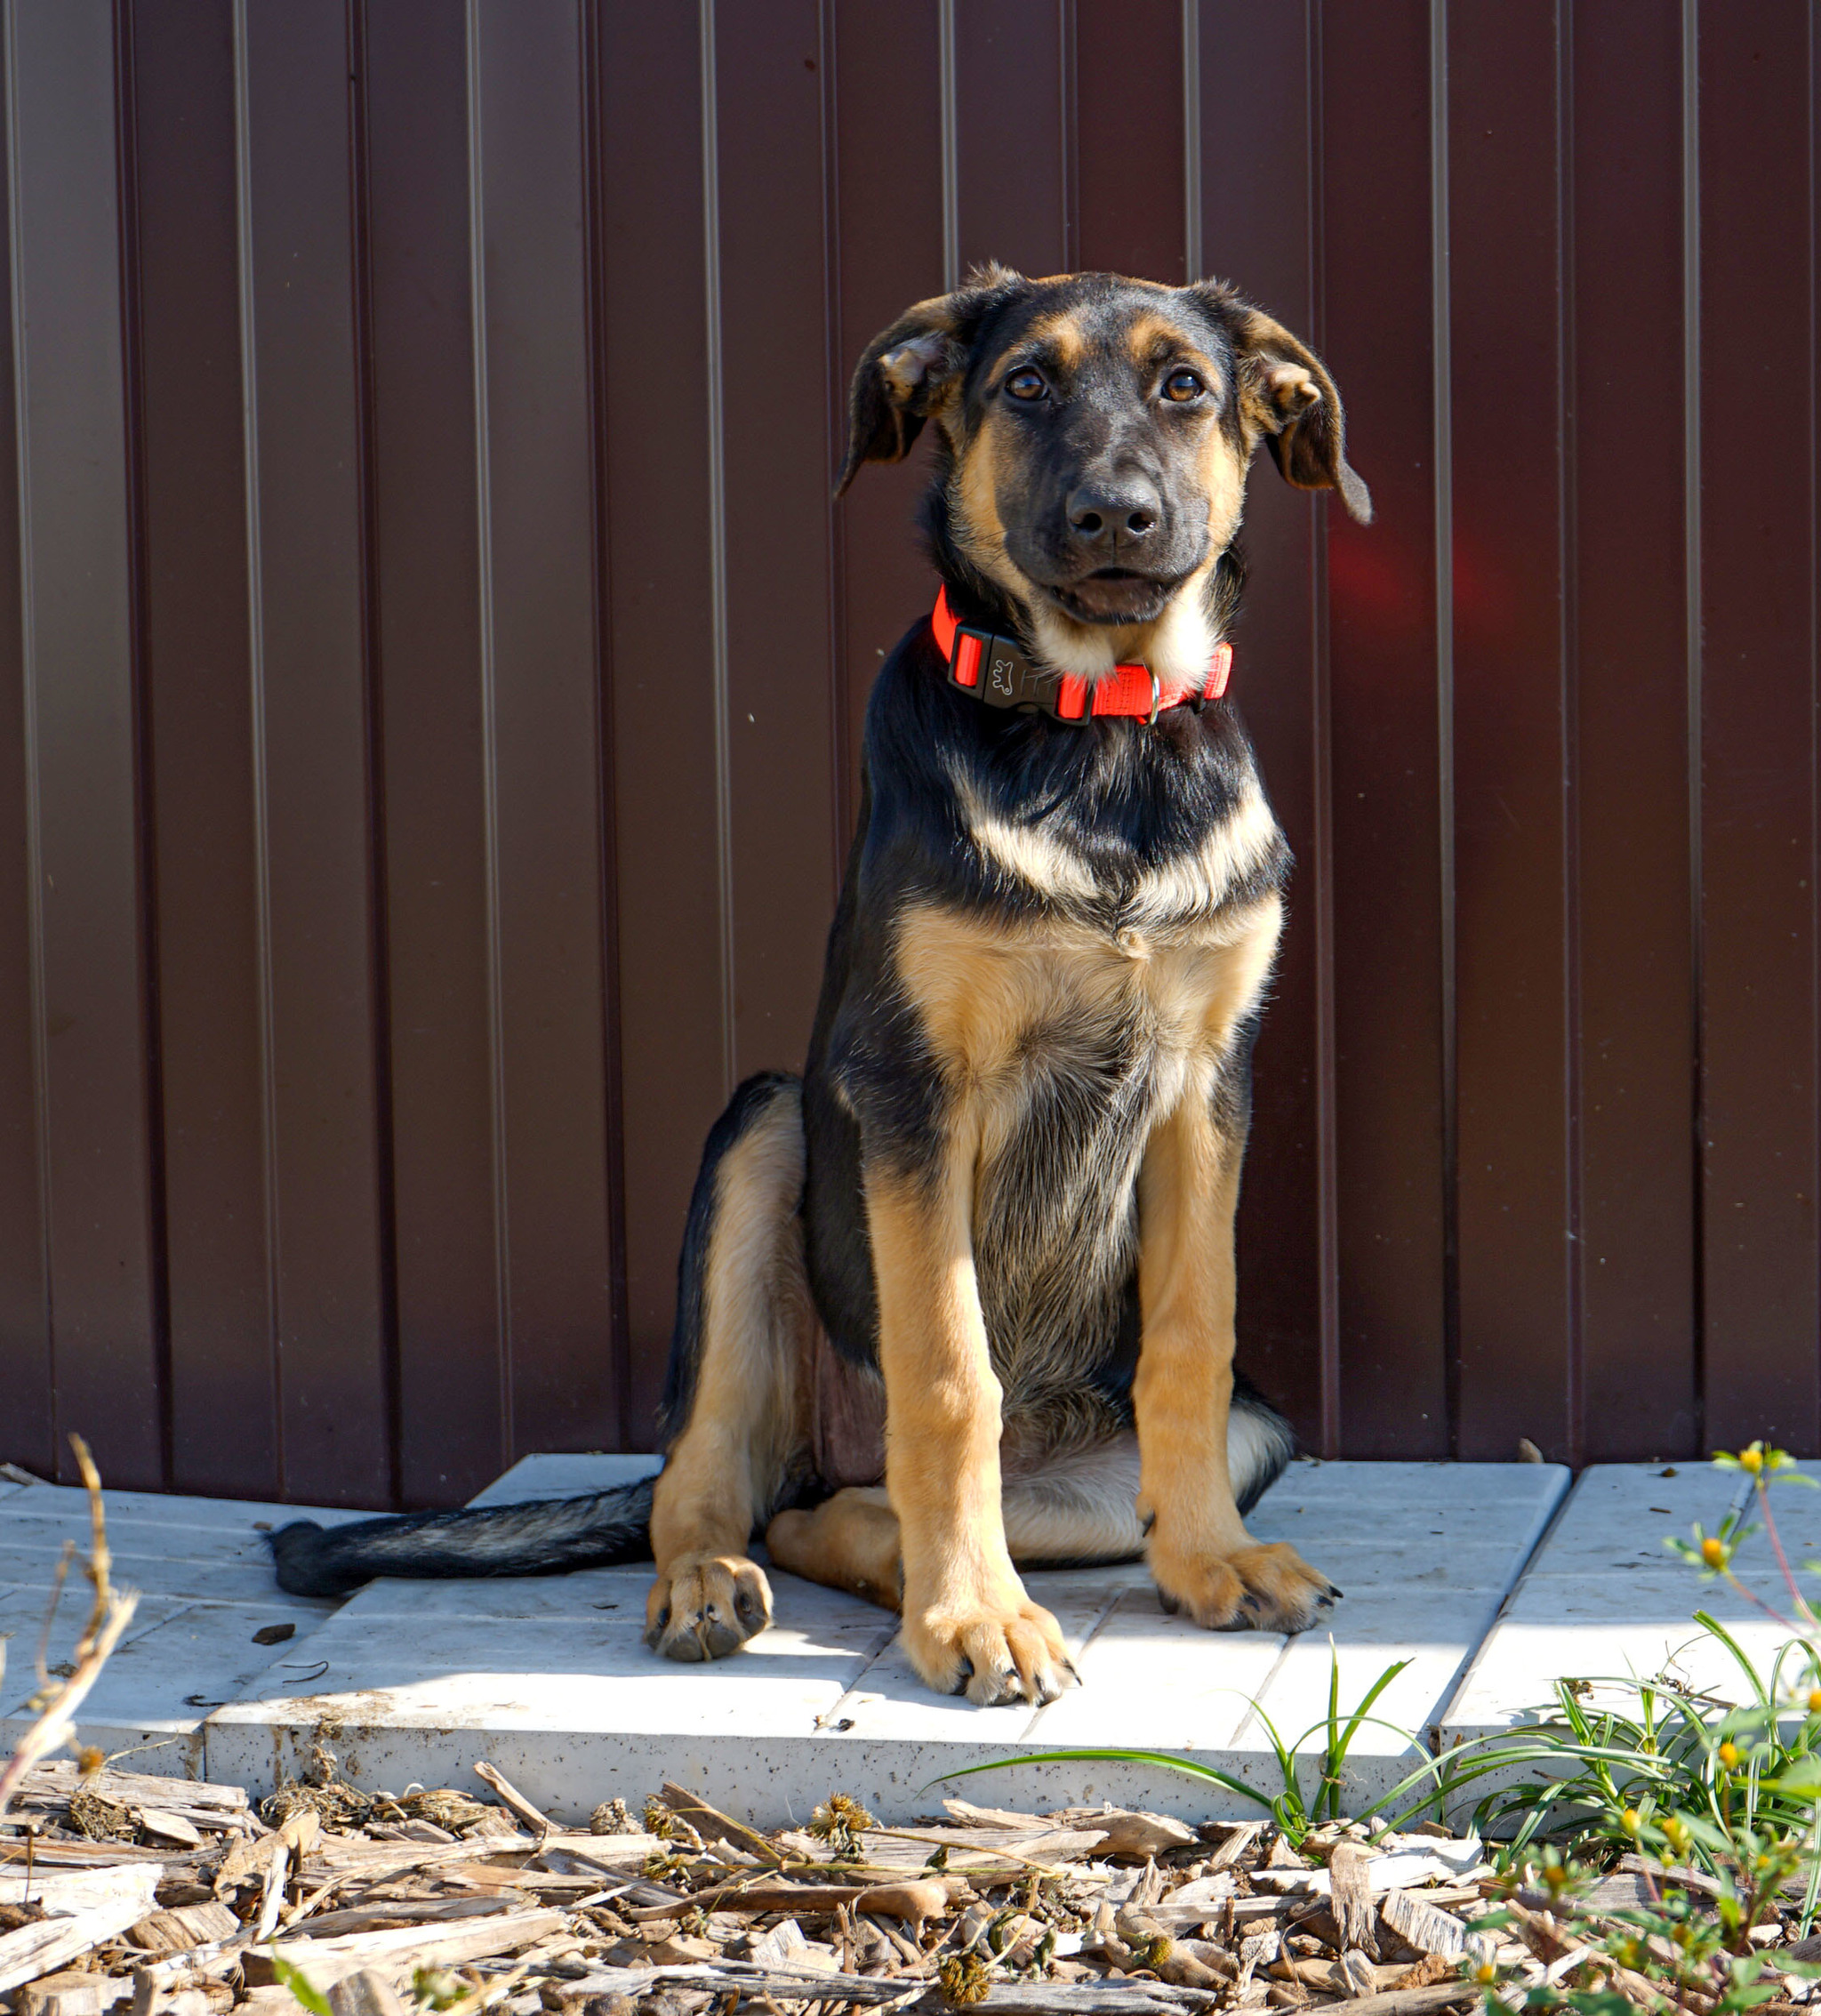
(1093, 434)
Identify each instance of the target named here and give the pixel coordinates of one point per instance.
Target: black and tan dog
(995, 1215)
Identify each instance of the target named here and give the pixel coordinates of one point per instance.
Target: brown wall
(432, 667)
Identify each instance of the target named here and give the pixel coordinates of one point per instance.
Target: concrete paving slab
(550, 1679)
(1605, 1600)
(205, 1591)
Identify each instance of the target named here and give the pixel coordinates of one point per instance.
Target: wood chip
(1418, 1923)
(1415, 2001)
(1350, 1889)
(1358, 1978)
(1239, 1837)
(397, 1955)
(189, 1925)
(713, 1825)
(40, 1948)
(51, 1785)
(967, 1815)
(1127, 1833)
(513, 1797)
(407, 1911)
(70, 1995)
(170, 1826)
(365, 1994)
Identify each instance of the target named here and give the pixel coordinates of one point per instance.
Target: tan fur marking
(1223, 485)
(850, 1541)
(1200, 882)
(748, 1412)
(982, 987)
(1027, 855)
(1199, 1551)
(974, 496)
(1151, 338)
(966, 1617)
(1057, 340)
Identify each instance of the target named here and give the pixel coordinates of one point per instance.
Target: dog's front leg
(1201, 1557)
(968, 1623)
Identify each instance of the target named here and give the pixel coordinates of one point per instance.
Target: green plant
(1670, 1949)
(1719, 1801)
(1293, 1810)
(1710, 1795)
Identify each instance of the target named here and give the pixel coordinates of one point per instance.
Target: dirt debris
(437, 1900)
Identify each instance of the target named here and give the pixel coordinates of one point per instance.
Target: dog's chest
(1077, 1029)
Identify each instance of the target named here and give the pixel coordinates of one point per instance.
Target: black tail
(546, 1538)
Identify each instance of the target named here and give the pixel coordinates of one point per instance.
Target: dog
(961, 1296)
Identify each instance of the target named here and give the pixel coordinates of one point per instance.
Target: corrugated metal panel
(432, 672)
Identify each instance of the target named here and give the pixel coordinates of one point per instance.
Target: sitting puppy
(961, 1296)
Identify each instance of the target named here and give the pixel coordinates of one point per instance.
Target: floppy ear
(1288, 395)
(905, 371)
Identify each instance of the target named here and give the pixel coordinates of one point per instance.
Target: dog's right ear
(906, 370)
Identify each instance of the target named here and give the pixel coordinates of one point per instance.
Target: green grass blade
(1158, 1760)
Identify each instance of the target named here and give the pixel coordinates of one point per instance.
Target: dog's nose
(1108, 517)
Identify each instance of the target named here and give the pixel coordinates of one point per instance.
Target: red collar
(1012, 681)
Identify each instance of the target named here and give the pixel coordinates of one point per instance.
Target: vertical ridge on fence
(88, 956)
(27, 1363)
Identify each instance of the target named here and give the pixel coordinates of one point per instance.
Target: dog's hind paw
(997, 1653)
(704, 1607)
(1266, 1588)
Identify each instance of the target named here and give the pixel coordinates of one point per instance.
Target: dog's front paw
(996, 1650)
(705, 1606)
(1271, 1589)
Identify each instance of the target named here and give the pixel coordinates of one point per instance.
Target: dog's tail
(546, 1538)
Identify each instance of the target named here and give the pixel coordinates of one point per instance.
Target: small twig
(1761, 1486)
(59, 1577)
(109, 1616)
(514, 1798)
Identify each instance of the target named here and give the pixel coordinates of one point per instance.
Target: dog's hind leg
(735, 1402)
(1077, 1508)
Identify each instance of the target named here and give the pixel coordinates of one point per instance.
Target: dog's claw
(1266, 1587)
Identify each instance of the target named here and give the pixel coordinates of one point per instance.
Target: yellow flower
(1753, 1458)
(1730, 1756)
(1814, 1701)
(1631, 1819)
(1713, 1552)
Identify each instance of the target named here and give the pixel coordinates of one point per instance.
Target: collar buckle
(993, 668)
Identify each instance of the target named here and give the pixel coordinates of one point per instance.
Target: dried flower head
(964, 1978)
(839, 1822)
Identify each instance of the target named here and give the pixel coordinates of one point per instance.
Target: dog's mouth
(1114, 595)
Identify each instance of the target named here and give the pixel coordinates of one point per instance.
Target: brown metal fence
(432, 668)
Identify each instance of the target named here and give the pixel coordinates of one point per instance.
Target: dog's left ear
(907, 370)
(1288, 397)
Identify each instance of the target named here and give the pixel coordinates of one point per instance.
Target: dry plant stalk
(109, 1614)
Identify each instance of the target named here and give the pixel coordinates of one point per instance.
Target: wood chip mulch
(161, 1897)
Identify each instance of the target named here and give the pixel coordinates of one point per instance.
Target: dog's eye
(1025, 384)
(1182, 386)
